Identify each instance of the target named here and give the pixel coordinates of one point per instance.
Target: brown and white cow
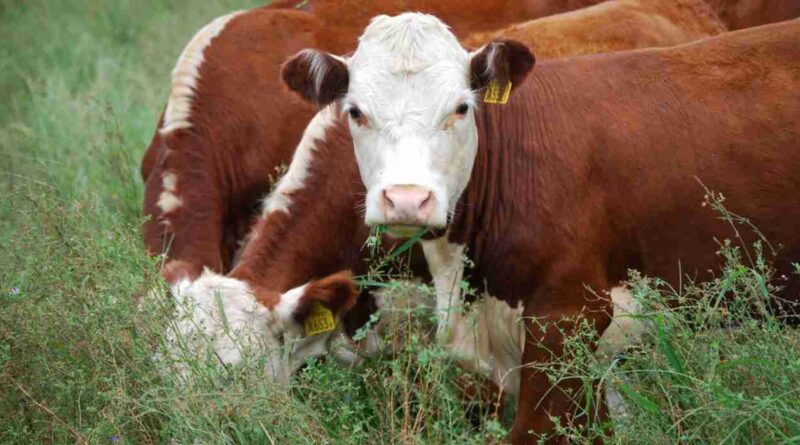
(308, 228)
(229, 124)
(589, 170)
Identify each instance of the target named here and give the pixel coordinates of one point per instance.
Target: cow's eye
(462, 109)
(355, 113)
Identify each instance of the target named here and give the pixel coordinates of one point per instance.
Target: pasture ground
(81, 83)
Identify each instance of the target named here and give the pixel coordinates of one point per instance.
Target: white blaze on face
(407, 78)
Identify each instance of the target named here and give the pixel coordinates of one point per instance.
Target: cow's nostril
(387, 200)
(426, 201)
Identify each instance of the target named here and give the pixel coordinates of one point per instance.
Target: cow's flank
(738, 14)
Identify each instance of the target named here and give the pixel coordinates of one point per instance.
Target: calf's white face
(223, 316)
(411, 92)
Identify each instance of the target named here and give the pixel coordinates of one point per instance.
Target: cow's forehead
(407, 68)
(442, 79)
(417, 100)
(407, 44)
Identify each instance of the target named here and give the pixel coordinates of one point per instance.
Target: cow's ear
(316, 76)
(336, 292)
(500, 61)
(323, 300)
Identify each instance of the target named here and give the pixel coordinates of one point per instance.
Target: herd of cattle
(554, 177)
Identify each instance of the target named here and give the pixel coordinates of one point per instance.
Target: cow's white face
(411, 91)
(412, 121)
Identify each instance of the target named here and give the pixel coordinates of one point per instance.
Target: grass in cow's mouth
(401, 231)
(80, 315)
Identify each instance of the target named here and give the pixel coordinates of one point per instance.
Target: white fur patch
(446, 265)
(489, 338)
(318, 67)
(168, 200)
(289, 301)
(297, 173)
(186, 73)
(169, 182)
(625, 328)
(221, 313)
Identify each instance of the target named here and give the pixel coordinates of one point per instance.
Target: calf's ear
(316, 76)
(336, 292)
(500, 61)
(323, 301)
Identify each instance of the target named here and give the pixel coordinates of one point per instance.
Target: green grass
(81, 84)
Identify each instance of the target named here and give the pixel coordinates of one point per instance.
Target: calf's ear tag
(320, 320)
(495, 94)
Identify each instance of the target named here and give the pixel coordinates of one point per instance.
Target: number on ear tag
(320, 320)
(497, 95)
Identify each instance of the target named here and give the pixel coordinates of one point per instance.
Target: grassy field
(81, 84)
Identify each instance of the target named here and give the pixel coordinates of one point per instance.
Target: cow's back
(612, 26)
(739, 14)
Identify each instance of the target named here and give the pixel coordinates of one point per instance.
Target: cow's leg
(447, 268)
(552, 316)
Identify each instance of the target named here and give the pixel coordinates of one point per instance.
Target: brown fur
(603, 180)
(336, 292)
(518, 57)
(738, 14)
(245, 124)
(614, 25)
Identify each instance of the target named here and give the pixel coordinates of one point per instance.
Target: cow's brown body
(244, 124)
(593, 167)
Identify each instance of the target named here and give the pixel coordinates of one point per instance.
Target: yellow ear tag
(320, 320)
(496, 95)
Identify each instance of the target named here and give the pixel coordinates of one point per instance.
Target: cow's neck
(502, 217)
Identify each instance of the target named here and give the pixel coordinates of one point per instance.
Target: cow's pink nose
(408, 204)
